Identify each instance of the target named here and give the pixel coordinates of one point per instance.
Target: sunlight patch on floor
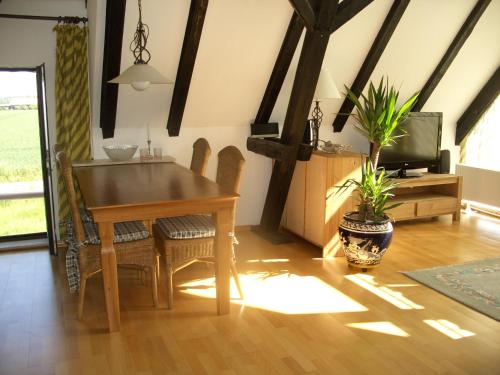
(396, 298)
(449, 329)
(267, 261)
(387, 328)
(401, 285)
(284, 293)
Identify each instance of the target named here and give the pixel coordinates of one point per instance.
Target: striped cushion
(85, 215)
(186, 227)
(124, 232)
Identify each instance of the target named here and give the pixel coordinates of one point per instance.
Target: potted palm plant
(367, 233)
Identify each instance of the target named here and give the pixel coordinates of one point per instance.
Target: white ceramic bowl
(120, 152)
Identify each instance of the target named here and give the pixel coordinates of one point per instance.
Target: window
(481, 145)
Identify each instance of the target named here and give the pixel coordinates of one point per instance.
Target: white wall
(237, 52)
(29, 43)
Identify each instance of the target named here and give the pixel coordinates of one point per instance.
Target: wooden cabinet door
(340, 169)
(315, 202)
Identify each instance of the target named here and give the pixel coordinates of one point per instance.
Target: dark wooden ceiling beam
(326, 13)
(285, 56)
(451, 53)
(111, 63)
(305, 11)
(346, 11)
(192, 36)
(266, 147)
(272, 148)
(479, 105)
(306, 78)
(384, 35)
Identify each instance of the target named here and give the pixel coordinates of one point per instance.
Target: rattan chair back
(67, 176)
(201, 153)
(229, 167)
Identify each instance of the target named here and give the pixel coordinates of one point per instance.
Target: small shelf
(427, 196)
(418, 197)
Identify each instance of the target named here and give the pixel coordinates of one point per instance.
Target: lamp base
(317, 116)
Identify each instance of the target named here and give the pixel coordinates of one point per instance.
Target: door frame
(46, 165)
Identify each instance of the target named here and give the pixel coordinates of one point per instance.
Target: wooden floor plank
(39, 333)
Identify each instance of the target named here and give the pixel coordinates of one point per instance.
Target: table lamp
(325, 90)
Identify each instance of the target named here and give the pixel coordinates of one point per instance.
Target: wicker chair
(133, 244)
(184, 240)
(199, 160)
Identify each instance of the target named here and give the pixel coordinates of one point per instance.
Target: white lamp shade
(325, 88)
(140, 76)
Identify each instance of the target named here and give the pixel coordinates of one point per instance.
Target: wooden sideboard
(313, 210)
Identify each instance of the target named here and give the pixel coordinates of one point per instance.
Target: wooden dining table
(147, 191)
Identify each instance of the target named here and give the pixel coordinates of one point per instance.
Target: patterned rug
(475, 284)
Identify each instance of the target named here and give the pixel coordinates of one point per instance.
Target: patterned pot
(364, 243)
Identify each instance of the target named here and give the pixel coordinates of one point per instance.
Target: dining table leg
(110, 275)
(223, 245)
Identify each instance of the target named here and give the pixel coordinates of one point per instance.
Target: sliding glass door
(25, 189)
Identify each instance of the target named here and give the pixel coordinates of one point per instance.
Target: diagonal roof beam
(451, 53)
(111, 61)
(192, 36)
(479, 105)
(285, 56)
(384, 35)
(326, 15)
(305, 11)
(346, 11)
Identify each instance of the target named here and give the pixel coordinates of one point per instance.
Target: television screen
(420, 144)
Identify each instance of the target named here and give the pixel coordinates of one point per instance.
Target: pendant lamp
(140, 75)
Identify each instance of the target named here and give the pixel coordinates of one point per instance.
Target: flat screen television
(420, 145)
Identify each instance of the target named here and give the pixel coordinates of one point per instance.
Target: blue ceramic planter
(364, 243)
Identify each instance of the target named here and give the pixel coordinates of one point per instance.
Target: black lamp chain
(138, 44)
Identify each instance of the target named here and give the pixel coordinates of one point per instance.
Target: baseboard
(33, 244)
(482, 208)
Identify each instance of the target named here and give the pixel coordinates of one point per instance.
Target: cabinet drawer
(405, 211)
(440, 206)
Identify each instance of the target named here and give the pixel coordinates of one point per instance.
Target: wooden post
(192, 36)
(306, 78)
(325, 20)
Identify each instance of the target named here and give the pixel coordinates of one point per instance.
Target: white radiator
(480, 185)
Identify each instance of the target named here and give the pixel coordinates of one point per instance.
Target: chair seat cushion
(124, 232)
(187, 227)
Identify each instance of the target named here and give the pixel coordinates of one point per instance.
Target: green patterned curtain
(72, 100)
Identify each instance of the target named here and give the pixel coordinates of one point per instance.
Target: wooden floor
(301, 314)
